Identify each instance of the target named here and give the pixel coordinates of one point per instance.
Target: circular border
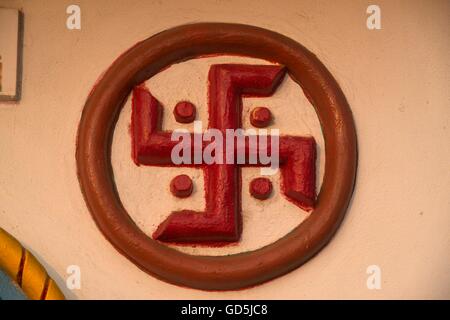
(26, 271)
(147, 58)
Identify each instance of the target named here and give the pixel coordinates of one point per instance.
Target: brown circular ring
(215, 272)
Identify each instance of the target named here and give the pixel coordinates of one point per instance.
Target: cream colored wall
(396, 80)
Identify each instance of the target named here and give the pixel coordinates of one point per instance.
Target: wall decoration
(10, 54)
(25, 271)
(221, 221)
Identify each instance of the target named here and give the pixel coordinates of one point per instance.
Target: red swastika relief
(221, 222)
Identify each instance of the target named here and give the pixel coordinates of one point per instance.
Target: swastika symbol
(221, 222)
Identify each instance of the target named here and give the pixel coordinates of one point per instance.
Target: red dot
(181, 186)
(184, 112)
(260, 117)
(261, 188)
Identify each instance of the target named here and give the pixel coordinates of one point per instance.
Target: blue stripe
(9, 290)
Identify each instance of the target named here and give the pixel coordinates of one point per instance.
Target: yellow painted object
(20, 265)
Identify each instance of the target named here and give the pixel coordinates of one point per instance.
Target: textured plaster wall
(396, 80)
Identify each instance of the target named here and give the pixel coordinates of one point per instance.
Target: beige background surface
(396, 80)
